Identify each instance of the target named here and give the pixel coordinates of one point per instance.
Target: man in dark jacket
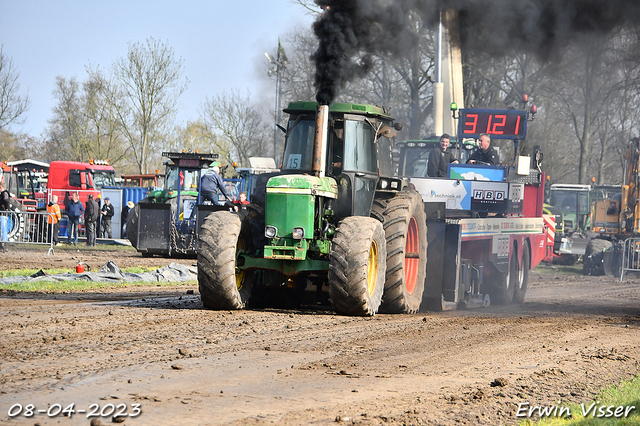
(439, 158)
(107, 213)
(5, 198)
(74, 210)
(210, 184)
(485, 154)
(91, 214)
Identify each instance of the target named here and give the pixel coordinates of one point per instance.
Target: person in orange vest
(54, 218)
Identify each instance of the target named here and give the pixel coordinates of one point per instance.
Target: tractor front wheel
(223, 236)
(357, 266)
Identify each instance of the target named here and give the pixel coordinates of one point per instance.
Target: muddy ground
(183, 365)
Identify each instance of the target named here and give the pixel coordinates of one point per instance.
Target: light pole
(277, 67)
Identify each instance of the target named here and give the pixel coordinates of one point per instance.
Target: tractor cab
(356, 151)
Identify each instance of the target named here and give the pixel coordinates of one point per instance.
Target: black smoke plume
(351, 31)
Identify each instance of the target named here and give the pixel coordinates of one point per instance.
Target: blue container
(134, 194)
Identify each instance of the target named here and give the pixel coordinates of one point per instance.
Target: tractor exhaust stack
(320, 141)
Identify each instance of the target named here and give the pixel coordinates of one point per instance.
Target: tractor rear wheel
(589, 265)
(405, 228)
(523, 276)
(222, 285)
(357, 266)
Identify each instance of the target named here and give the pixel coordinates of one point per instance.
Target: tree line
(587, 97)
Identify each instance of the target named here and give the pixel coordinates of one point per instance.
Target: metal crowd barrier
(26, 228)
(630, 256)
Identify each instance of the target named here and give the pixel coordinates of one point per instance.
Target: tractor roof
(343, 108)
(191, 159)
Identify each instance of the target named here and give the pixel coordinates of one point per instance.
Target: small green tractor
(333, 226)
(165, 221)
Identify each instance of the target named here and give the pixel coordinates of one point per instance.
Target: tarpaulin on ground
(174, 272)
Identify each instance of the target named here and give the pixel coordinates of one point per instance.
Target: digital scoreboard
(498, 123)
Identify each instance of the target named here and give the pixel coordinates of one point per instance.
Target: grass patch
(78, 285)
(546, 269)
(81, 285)
(30, 271)
(627, 394)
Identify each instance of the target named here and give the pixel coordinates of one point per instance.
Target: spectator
(241, 202)
(5, 204)
(123, 217)
(107, 213)
(91, 214)
(53, 219)
(75, 210)
(5, 197)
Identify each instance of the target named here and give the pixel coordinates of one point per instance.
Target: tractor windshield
(356, 142)
(182, 179)
(299, 150)
(359, 149)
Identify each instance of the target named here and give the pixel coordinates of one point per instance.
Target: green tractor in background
(334, 225)
(574, 204)
(164, 222)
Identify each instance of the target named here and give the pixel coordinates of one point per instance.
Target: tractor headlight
(298, 233)
(270, 231)
(384, 184)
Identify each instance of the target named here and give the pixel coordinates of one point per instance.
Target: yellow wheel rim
(239, 272)
(372, 268)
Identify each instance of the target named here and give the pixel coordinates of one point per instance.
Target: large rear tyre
(357, 266)
(592, 266)
(502, 286)
(405, 228)
(223, 236)
(132, 223)
(523, 276)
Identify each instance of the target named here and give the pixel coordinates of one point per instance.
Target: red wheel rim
(412, 256)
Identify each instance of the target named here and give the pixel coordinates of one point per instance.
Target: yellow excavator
(615, 221)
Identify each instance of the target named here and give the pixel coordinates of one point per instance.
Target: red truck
(66, 177)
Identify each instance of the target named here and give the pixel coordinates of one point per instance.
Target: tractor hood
(303, 184)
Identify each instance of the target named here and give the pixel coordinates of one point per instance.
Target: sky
(222, 44)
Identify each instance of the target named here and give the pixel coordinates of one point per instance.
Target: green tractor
(165, 221)
(334, 225)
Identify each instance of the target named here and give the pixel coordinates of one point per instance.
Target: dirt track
(156, 347)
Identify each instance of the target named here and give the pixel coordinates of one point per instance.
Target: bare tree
(65, 127)
(151, 80)
(100, 101)
(235, 128)
(12, 105)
